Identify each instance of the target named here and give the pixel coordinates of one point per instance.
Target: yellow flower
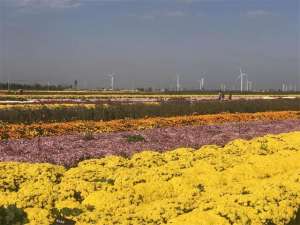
(240, 183)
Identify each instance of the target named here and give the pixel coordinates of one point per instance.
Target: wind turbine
(177, 83)
(284, 86)
(112, 80)
(241, 77)
(201, 83)
(249, 85)
(223, 87)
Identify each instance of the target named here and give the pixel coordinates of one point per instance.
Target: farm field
(30, 97)
(31, 130)
(150, 112)
(176, 162)
(234, 184)
(112, 111)
(68, 150)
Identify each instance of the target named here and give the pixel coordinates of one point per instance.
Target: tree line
(44, 87)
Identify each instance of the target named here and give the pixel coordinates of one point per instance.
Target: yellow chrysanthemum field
(244, 182)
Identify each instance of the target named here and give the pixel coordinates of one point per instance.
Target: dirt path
(68, 150)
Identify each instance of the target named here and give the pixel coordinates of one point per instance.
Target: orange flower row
(16, 131)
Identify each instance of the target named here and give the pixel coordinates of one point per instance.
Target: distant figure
(223, 96)
(230, 96)
(220, 96)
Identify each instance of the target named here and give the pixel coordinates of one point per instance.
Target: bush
(88, 135)
(134, 138)
(11, 215)
(296, 220)
(3, 131)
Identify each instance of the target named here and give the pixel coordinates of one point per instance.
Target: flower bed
(245, 182)
(68, 150)
(16, 131)
(112, 111)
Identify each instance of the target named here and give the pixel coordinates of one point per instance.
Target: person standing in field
(223, 96)
(220, 96)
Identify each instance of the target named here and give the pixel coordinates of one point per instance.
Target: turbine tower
(249, 85)
(112, 80)
(178, 83)
(201, 83)
(284, 86)
(223, 87)
(241, 77)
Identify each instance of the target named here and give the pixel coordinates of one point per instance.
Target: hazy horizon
(146, 43)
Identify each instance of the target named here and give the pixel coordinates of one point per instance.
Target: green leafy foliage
(11, 215)
(134, 138)
(64, 113)
(88, 135)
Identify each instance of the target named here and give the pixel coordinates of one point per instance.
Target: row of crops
(244, 182)
(23, 130)
(84, 93)
(63, 113)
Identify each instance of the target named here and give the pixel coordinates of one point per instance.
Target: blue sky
(146, 42)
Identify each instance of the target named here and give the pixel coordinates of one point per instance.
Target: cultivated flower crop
(15, 131)
(244, 182)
